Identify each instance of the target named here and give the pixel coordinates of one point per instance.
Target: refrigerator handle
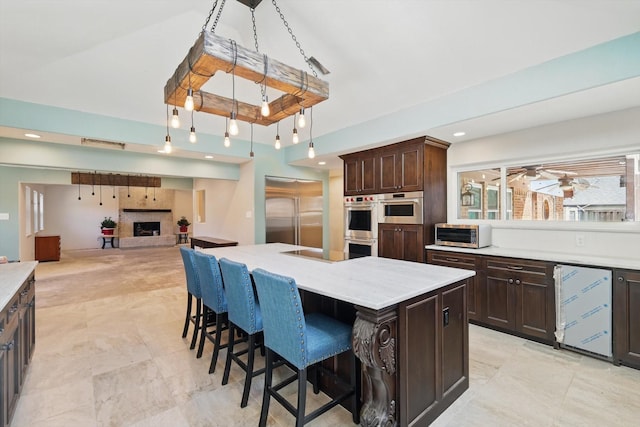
(296, 220)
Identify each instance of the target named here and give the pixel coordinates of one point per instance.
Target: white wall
(608, 134)
(229, 207)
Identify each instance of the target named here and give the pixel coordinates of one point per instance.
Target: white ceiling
(113, 57)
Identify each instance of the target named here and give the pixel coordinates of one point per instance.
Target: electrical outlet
(579, 240)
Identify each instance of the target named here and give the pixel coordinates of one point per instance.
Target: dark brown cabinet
(360, 173)
(466, 262)
(434, 354)
(626, 317)
(519, 297)
(401, 241)
(47, 248)
(401, 167)
(17, 340)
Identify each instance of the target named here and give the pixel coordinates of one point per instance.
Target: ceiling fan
(534, 173)
(563, 186)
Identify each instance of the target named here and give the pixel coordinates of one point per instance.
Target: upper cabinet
(395, 168)
(401, 167)
(359, 173)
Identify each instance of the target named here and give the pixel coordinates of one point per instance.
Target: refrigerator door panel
(584, 317)
(280, 220)
(293, 211)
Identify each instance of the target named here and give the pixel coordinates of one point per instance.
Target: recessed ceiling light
(322, 163)
(161, 151)
(208, 156)
(459, 134)
(31, 135)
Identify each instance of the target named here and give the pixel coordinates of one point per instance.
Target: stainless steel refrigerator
(293, 210)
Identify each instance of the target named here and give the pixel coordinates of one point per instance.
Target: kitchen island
(410, 329)
(17, 332)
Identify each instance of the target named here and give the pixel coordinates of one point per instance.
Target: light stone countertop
(370, 282)
(12, 276)
(559, 257)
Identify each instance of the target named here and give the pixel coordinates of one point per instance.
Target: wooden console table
(211, 242)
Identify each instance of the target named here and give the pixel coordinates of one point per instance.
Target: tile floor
(109, 352)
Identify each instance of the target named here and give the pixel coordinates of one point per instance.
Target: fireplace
(146, 228)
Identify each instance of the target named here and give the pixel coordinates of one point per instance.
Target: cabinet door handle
(452, 259)
(517, 281)
(13, 308)
(620, 279)
(8, 346)
(1, 331)
(515, 267)
(23, 293)
(510, 281)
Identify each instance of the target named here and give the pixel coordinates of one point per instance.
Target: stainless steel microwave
(463, 235)
(400, 208)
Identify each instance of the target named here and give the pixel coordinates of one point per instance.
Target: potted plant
(107, 226)
(184, 224)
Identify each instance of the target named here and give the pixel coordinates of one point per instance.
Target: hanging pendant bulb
(302, 122)
(251, 152)
(167, 144)
(227, 141)
(295, 138)
(188, 102)
(265, 110)
(311, 152)
(277, 144)
(175, 120)
(233, 124)
(192, 134)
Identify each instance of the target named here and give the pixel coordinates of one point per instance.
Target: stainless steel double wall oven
(362, 214)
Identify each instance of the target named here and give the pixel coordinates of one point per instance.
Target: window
(27, 210)
(606, 189)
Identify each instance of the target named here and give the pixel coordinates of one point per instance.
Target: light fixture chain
(215, 23)
(263, 87)
(293, 37)
(204, 27)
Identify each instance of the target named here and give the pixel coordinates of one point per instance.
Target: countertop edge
(557, 257)
(12, 276)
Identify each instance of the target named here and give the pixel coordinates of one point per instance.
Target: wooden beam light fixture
(115, 180)
(212, 53)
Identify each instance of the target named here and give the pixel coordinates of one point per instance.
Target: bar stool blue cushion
(302, 340)
(193, 291)
(244, 313)
(213, 300)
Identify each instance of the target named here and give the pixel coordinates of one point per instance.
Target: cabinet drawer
(452, 259)
(538, 268)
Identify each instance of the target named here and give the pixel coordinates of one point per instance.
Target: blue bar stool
(193, 290)
(303, 341)
(214, 302)
(244, 314)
